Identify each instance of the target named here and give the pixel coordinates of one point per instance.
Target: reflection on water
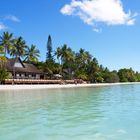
(102, 113)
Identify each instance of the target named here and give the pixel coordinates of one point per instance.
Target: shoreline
(56, 86)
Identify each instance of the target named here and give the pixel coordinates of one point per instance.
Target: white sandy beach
(56, 86)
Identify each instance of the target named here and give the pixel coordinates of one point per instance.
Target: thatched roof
(26, 67)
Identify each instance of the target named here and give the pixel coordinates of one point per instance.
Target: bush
(3, 75)
(112, 77)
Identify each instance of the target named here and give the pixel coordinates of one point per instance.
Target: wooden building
(20, 70)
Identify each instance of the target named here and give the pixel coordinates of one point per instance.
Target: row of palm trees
(83, 65)
(64, 61)
(17, 47)
(66, 54)
(75, 64)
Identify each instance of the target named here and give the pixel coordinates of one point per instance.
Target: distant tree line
(82, 65)
(63, 61)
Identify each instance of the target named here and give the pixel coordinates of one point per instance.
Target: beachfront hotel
(21, 70)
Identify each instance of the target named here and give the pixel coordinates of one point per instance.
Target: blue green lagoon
(95, 113)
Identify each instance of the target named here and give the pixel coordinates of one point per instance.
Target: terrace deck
(35, 81)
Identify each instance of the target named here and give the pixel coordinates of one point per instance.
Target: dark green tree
(94, 72)
(112, 77)
(127, 75)
(82, 62)
(49, 56)
(3, 75)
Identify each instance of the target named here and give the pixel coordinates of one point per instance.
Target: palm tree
(65, 53)
(83, 58)
(58, 54)
(6, 42)
(82, 61)
(94, 71)
(19, 46)
(32, 54)
(66, 56)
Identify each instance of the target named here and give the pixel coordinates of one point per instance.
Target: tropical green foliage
(17, 47)
(1, 50)
(66, 58)
(3, 75)
(112, 77)
(2, 61)
(63, 61)
(127, 75)
(50, 66)
(49, 49)
(31, 54)
(6, 42)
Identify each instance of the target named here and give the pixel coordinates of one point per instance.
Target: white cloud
(2, 26)
(91, 12)
(12, 18)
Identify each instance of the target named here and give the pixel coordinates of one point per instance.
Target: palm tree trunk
(5, 57)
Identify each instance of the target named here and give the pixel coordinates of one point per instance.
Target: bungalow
(20, 70)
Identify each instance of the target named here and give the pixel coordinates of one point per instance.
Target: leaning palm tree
(19, 47)
(32, 54)
(6, 42)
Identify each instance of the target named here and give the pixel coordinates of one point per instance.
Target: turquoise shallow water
(101, 113)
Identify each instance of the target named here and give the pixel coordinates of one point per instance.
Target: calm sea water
(101, 113)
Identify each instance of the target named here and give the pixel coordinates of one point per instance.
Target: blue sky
(111, 37)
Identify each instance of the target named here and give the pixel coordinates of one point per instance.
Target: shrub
(3, 75)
